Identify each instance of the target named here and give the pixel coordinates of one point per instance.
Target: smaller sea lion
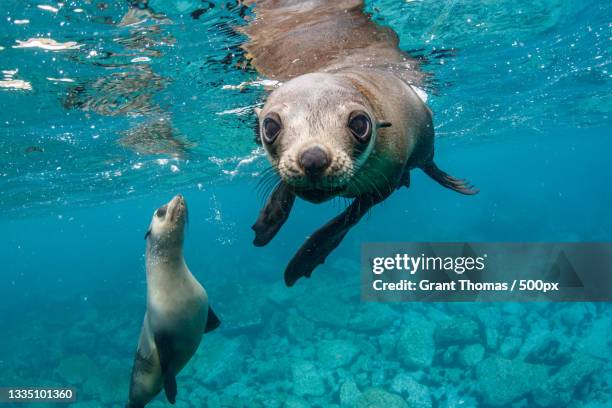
(177, 313)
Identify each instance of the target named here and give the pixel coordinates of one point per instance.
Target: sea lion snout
(313, 161)
(178, 199)
(177, 207)
(169, 220)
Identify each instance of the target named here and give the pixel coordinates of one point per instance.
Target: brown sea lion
(347, 120)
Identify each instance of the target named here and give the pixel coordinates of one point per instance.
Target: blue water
(521, 108)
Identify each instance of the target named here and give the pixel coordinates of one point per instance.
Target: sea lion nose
(314, 161)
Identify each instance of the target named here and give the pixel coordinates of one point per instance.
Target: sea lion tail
(459, 185)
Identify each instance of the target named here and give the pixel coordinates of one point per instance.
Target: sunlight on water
(125, 85)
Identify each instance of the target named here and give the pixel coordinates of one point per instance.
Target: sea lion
(348, 121)
(177, 313)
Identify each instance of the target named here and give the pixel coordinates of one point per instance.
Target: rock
(419, 397)
(278, 294)
(448, 356)
(599, 339)
(558, 390)
(362, 379)
(490, 316)
(108, 383)
(453, 375)
(510, 347)
(324, 308)
(213, 401)
(377, 397)
(545, 348)
(501, 381)
(238, 318)
(386, 342)
(415, 346)
(76, 369)
(273, 369)
(306, 379)
(365, 346)
(400, 384)
(471, 355)
(513, 309)
(336, 353)
(238, 389)
(574, 315)
(295, 402)
(299, 328)
(374, 317)
(416, 394)
(378, 378)
(491, 338)
(453, 399)
(350, 266)
(349, 393)
(218, 362)
(459, 330)
(265, 400)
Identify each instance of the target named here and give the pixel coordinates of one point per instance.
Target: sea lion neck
(162, 255)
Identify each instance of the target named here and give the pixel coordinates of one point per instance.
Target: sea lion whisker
(265, 176)
(380, 173)
(266, 185)
(372, 184)
(386, 180)
(270, 184)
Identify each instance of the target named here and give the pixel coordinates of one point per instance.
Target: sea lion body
(347, 120)
(177, 315)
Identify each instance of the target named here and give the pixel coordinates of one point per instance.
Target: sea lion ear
(380, 125)
(147, 233)
(257, 111)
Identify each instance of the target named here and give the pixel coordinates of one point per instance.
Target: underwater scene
(112, 108)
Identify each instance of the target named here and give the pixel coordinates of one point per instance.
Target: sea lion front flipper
(212, 321)
(273, 215)
(324, 240)
(165, 349)
(459, 185)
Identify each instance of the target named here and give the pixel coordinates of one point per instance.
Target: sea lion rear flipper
(212, 321)
(459, 185)
(165, 350)
(273, 215)
(324, 240)
(170, 387)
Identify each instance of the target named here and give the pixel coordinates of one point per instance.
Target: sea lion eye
(271, 128)
(360, 126)
(161, 211)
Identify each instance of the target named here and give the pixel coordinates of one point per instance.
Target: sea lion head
(167, 228)
(317, 130)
